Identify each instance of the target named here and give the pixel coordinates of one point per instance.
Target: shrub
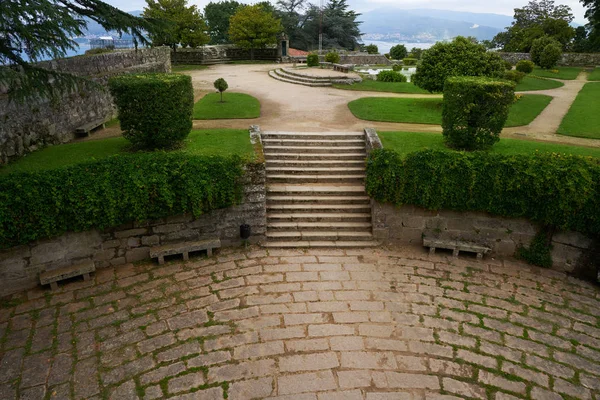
(396, 67)
(312, 60)
(398, 52)
(221, 85)
(155, 110)
(332, 57)
(515, 76)
(539, 251)
(538, 46)
(474, 111)
(390, 76)
(550, 56)
(113, 191)
(507, 65)
(525, 66)
(552, 189)
(415, 52)
(409, 61)
(372, 49)
(461, 57)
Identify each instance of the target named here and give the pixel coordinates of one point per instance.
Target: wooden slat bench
(456, 246)
(185, 249)
(53, 276)
(85, 130)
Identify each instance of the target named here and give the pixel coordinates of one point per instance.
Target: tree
(183, 26)
(592, 13)
(398, 52)
(538, 46)
(461, 57)
(217, 17)
(221, 85)
(550, 56)
(416, 52)
(31, 30)
(291, 13)
(372, 49)
(254, 28)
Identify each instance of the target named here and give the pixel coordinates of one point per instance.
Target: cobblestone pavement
(315, 325)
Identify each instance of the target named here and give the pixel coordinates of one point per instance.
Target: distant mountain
(94, 29)
(423, 25)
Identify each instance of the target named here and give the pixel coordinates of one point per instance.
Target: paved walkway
(316, 325)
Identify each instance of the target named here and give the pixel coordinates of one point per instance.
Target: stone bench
(185, 249)
(456, 246)
(53, 276)
(341, 68)
(85, 130)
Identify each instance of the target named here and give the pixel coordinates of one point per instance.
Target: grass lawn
(429, 111)
(567, 73)
(594, 75)
(374, 86)
(408, 142)
(537, 83)
(583, 118)
(202, 142)
(235, 105)
(184, 67)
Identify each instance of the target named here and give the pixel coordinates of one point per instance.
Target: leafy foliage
(539, 251)
(332, 57)
(217, 18)
(390, 76)
(113, 191)
(221, 85)
(409, 61)
(525, 66)
(398, 52)
(31, 30)
(312, 60)
(552, 189)
(416, 52)
(550, 56)
(183, 25)
(253, 27)
(515, 76)
(475, 111)
(461, 57)
(507, 65)
(538, 46)
(155, 110)
(372, 49)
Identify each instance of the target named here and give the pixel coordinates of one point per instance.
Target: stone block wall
(220, 54)
(20, 266)
(28, 126)
(568, 59)
(410, 224)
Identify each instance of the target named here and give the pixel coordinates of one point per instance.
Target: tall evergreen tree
(217, 17)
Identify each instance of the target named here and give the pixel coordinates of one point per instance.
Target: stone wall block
(153, 240)
(125, 234)
(137, 254)
(167, 228)
(574, 239)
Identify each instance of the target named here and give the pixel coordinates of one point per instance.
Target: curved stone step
(321, 244)
(273, 75)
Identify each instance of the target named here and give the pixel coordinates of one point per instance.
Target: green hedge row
(556, 190)
(114, 191)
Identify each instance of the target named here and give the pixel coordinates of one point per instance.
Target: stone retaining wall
(35, 124)
(220, 54)
(361, 59)
(568, 59)
(20, 266)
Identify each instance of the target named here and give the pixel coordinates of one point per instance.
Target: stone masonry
(316, 325)
(568, 59)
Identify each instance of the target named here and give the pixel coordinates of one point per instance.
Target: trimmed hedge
(475, 110)
(114, 191)
(525, 66)
(515, 76)
(155, 110)
(552, 189)
(312, 60)
(332, 57)
(391, 76)
(550, 56)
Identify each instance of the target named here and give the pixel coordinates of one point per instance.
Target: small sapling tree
(221, 85)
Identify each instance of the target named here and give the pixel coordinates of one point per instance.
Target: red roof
(297, 53)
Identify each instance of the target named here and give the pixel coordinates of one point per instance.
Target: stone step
(311, 207)
(314, 164)
(314, 135)
(316, 170)
(325, 226)
(282, 73)
(299, 74)
(322, 200)
(314, 149)
(273, 75)
(297, 178)
(315, 142)
(357, 156)
(337, 244)
(319, 235)
(318, 190)
(319, 217)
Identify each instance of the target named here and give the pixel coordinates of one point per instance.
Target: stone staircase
(315, 190)
(290, 75)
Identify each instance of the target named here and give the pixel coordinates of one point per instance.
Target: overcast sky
(497, 7)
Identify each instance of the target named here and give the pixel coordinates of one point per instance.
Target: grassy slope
(234, 106)
(408, 142)
(537, 83)
(202, 142)
(429, 111)
(566, 73)
(583, 118)
(594, 75)
(374, 86)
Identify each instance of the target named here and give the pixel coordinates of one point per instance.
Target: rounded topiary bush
(538, 46)
(390, 76)
(332, 57)
(515, 76)
(550, 56)
(312, 60)
(475, 110)
(155, 110)
(525, 66)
